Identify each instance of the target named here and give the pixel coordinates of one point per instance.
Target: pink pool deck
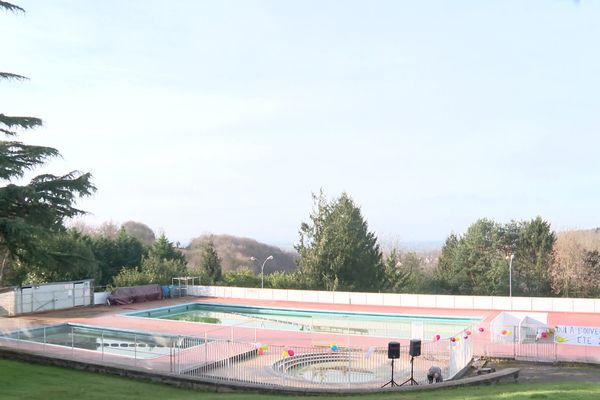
(111, 317)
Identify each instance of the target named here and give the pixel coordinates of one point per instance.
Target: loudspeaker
(393, 350)
(415, 348)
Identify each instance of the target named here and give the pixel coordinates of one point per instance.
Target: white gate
(539, 352)
(26, 305)
(79, 291)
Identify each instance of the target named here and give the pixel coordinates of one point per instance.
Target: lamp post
(262, 270)
(510, 259)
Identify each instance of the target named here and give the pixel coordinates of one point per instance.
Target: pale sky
(223, 116)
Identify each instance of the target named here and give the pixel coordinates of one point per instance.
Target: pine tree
(337, 250)
(163, 249)
(211, 263)
(399, 275)
(30, 213)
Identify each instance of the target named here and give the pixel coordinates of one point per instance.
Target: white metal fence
(239, 359)
(524, 344)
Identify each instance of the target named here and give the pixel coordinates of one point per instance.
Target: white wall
(53, 296)
(404, 300)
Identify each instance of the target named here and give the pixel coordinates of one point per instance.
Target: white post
(510, 276)
(205, 347)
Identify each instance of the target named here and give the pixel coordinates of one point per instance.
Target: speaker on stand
(413, 351)
(393, 354)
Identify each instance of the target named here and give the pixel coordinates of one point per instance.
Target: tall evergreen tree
(210, 262)
(163, 249)
(30, 213)
(72, 259)
(477, 262)
(399, 273)
(114, 253)
(337, 250)
(533, 259)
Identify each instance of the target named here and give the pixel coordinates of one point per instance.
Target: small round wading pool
(332, 368)
(332, 372)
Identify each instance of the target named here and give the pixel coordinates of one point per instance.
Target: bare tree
(574, 272)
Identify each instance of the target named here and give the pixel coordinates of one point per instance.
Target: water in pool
(107, 341)
(372, 324)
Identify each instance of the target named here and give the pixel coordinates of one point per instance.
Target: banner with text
(581, 335)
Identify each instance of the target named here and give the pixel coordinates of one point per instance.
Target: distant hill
(235, 252)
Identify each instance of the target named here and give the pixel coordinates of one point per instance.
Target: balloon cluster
(506, 332)
(262, 349)
(466, 335)
(288, 353)
(542, 335)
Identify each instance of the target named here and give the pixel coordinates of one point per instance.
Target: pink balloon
(453, 339)
(481, 329)
(468, 332)
(291, 352)
(544, 334)
(437, 337)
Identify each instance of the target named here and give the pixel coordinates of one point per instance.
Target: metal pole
(510, 276)
(262, 273)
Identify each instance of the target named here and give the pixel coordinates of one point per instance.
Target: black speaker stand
(392, 382)
(410, 380)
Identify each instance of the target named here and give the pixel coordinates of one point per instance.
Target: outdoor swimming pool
(302, 320)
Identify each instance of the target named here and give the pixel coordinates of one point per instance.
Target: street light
(510, 258)
(262, 269)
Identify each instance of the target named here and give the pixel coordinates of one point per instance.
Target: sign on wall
(578, 335)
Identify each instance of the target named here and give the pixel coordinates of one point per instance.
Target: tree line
(526, 258)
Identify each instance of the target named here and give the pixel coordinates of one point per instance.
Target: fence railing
(513, 343)
(338, 361)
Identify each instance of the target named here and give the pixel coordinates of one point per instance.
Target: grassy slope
(30, 381)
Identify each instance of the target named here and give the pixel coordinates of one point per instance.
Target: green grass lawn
(19, 380)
